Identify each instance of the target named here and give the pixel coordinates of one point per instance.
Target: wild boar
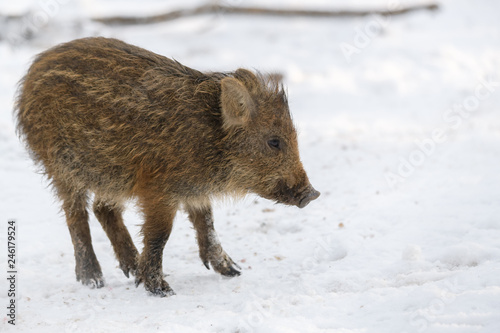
(104, 117)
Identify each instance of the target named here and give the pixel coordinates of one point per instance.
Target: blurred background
(399, 127)
(381, 83)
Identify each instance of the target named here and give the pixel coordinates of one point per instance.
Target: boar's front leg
(208, 242)
(159, 217)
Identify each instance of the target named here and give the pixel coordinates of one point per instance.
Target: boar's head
(262, 140)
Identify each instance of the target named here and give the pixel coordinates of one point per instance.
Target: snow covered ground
(399, 122)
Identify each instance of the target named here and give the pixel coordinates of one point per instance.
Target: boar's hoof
(224, 265)
(230, 272)
(92, 282)
(127, 271)
(162, 291)
(90, 276)
(155, 286)
(129, 268)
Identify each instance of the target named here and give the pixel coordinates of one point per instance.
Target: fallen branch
(223, 9)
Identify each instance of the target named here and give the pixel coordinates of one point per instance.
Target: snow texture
(399, 128)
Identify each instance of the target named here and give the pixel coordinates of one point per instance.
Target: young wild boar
(102, 116)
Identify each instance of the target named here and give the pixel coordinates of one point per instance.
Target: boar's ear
(248, 78)
(236, 103)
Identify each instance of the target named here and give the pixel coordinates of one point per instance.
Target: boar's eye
(274, 143)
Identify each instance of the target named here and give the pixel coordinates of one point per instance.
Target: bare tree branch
(224, 9)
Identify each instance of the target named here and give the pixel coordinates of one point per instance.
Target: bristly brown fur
(102, 116)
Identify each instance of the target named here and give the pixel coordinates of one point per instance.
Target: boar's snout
(308, 195)
(299, 196)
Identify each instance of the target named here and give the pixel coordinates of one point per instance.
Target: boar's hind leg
(156, 229)
(87, 267)
(110, 217)
(208, 242)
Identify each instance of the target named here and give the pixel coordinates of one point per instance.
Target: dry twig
(214, 9)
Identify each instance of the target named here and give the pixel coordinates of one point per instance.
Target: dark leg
(159, 218)
(87, 267)
(208, 242)
(110, 217)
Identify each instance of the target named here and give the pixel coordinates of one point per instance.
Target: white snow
(402, 138)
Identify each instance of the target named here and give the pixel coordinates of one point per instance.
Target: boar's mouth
(299, 196)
